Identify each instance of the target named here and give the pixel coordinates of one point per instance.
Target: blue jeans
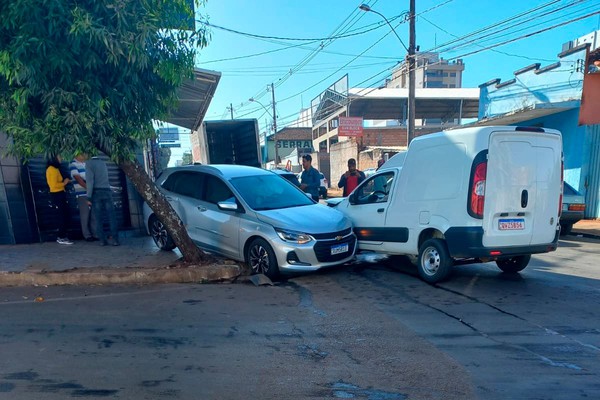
(102, 204)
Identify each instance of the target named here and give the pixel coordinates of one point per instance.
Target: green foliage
(164, 156)
(88, 75)
(186, 158)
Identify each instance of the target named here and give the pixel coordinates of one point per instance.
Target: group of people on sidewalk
(94, 198)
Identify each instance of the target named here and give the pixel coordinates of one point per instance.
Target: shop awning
(384, 104)
(525, 114)
(194, 98)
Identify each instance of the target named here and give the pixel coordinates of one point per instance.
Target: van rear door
(522, 188)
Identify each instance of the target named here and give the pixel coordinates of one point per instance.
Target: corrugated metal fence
(46, 217)
(592, 195)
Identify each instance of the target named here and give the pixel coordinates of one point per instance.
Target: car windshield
(269, 192)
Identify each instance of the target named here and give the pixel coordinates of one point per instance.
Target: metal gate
(592, 183)
(47, 218)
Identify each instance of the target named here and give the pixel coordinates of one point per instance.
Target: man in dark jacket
(351, 178)
(311, 179)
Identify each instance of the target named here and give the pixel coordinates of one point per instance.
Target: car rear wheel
(159, 234)
(565, 229)
(435, 263)
(261, 259)
(512, 265)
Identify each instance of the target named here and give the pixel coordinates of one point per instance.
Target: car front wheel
(159, 234)
(434, 263)
(261, 259)
(512, 265)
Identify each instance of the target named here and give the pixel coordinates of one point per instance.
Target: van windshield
(269, 192)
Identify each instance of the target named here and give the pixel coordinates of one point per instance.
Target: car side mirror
(352, 199)
(228, 205)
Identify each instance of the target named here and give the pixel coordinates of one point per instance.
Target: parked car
(323, 187)
(573, 208)
(369, 171)
(252, 215)
(289, 175)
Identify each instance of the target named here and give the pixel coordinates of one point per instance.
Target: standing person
(56, 184)
(351, 178)
(100, 196)
(88, 220)
(380, 162)
(311, 179)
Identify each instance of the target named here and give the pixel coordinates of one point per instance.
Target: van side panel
(522, 189)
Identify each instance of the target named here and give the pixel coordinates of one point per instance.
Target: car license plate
(515, 224)
(339, 249)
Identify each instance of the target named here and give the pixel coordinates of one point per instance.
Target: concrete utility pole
(412, 63)
(275, 126)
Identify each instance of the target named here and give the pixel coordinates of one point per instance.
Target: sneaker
(63, 241)
(89, 239)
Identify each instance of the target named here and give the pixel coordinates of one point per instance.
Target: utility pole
(231, 109)
(412, 63)
(275, 125)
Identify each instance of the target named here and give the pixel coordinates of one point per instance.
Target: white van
(462, 196)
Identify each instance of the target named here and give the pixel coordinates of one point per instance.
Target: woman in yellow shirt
(57, 184)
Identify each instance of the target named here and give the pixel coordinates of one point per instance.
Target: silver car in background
(255, 216)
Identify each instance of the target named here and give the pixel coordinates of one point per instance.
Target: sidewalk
(587, 228)
(136, 261)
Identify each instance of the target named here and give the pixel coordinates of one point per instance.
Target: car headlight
(295, 237)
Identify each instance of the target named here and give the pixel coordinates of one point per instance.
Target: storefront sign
(350, 126)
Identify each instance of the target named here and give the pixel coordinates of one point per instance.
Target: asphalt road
(366, 331)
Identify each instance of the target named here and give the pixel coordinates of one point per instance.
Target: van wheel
(159, 234)
(565, 229)
(261, 259)
(512, 265)
(434, 262)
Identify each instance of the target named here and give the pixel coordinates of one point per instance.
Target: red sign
(350, 126)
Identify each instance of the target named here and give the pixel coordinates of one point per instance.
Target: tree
(91, 75)
(187, 159)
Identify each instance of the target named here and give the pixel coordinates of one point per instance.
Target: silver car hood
(315, 218)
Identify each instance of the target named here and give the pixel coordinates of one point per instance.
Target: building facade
(432, 72)
(550, 96)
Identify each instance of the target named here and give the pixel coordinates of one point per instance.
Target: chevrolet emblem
(338, 238)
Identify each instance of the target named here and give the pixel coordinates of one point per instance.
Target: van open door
(522, 187)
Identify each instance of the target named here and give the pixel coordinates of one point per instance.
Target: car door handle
(380, 210)
(201, 208)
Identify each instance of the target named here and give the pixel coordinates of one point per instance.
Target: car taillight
(576, 207)
(478, 189)
(562, 185)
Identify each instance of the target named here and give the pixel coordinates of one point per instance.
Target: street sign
(350, 126)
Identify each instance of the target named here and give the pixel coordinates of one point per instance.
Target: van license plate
(339, 249)
(516, 224)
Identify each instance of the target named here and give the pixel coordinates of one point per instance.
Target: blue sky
(439, 22)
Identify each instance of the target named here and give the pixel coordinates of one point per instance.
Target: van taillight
(562, 185)
(478, 189)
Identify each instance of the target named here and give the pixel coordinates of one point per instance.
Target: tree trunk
(163, 210)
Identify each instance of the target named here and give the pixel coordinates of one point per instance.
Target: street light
(410, 58)
(253, 100)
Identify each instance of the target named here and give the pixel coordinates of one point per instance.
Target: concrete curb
(105, 276)
(585, 235)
